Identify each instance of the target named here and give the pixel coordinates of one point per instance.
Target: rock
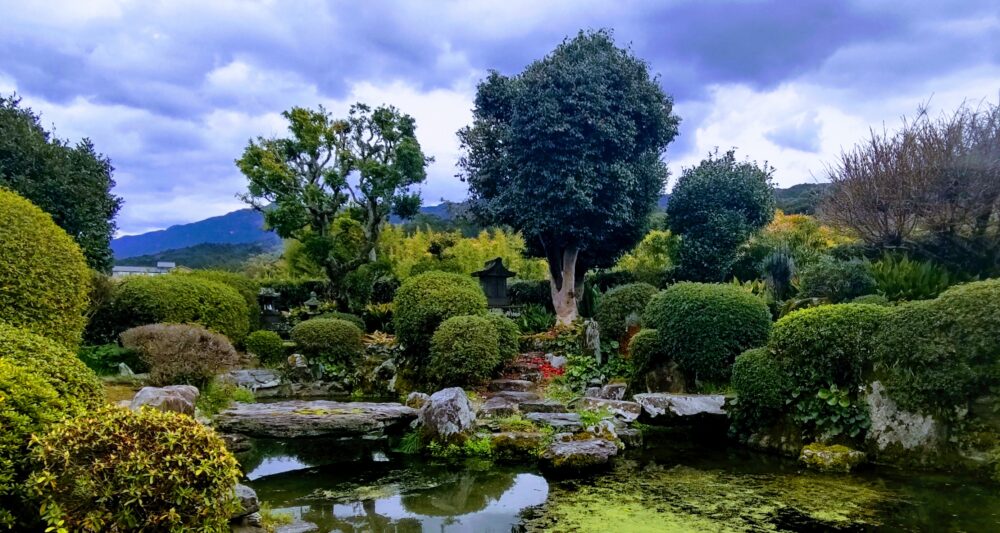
(253, 379)
(558, 421)
(298, 370)
(518, 396)
(542, 406)
(417, 400)
(236, 443)
(592, 340)
(627, 411)
(556, 361)
(124, 370)
(834, 458)
(298, 526)
(448, 415)
(247, 499)
(176, 398)
(499, 406)
(517, 444)
(667, 406)
(519, 385)
(917, 437)
(612, 391)
(630, 437)
(592, 392)
(318, 418)
(577, 455)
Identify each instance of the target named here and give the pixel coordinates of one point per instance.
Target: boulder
(448, 415)
(519, 385)
(253, 379)
(663, 406)
(542, 406)
(556, 361)
(247, 499)
(518, 396)
(834, 458)
(630, 437)
(578, 455)
(558, 421)
(298, 369)
(517, 444)
(914, 437)
(592, 392)
(176, 398)
(627, 411)
(236, 443)
(499, 406)
(612, 391)
(417, 400)
(318, 418)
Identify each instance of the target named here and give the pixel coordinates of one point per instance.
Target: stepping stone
(499, 406)
(627, 411)
(518, 385)
(517, 396)
(673, 406)
(543, 406)
(559, 421)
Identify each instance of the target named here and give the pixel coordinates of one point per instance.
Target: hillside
(239, 227)
(205, 255)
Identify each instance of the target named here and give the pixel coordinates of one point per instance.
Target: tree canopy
(568, 152)
(70, 182)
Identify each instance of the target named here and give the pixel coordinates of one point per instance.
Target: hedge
(759, 380)
(464, 351)
(248, 288)
(525, 292)
(423, 302)
(645, 350)
(623, 306)
(508, 337)
(353, 319)
(328, 340)
(44, 280)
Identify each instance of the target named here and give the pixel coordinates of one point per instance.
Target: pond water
(672, 485)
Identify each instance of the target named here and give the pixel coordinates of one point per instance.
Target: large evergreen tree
(568, 152)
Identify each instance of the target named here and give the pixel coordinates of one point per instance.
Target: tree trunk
(562, 267)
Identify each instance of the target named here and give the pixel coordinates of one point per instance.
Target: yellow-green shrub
(464, 351)
(44, 278)
(423, 302)
(118, 470)
(328, 340)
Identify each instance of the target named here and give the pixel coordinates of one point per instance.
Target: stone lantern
(493, 278)
(312, 304)
(269, 313)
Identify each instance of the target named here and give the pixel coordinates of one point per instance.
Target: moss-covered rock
(830, 458)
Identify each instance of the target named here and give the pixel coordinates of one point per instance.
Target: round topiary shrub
(704, 326)
(328, 340)
(829, 344)
(118, 470)
(508, 336)
(622, 307)
(267, 346)
(759, 380)
(44, 278)
(464, 351)
(423, 302)
(645, 350)
(181, 353)
(836, 281)
(243, 284)
(78, 387)
(353, 319)
(180, 299)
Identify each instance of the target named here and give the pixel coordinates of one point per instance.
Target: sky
(173, 90)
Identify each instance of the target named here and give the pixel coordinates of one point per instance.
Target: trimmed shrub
(829, 344)
(622, 306)
(77, 386)
(836, 281)
(759, 380)
(353, 319)
(267, 346)
(508, 337)
(527, 292)
(118, 470)
(174, 299)
(704, 326)
(464, 351)
(328, 340)
(181, 353)
(645, 350)
(606, 280)
(423, 302)
(44, 279)
(248, 289)
(872, 299)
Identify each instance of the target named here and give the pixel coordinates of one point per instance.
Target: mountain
(239, 227)
(803, 198)
(205, 255)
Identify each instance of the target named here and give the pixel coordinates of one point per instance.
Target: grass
(270, 519)
(218, 396)
(116, 392)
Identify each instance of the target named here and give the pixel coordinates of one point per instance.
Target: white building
(162, 267)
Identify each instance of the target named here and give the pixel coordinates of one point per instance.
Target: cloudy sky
(173, 90)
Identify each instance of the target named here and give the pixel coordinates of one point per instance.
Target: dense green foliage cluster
(267, 346)
(181, 353)
(423, 302)
(645, 349)
(528, 292)
(118, 470)
(901, 278)
(836, 281)
(760, 379)
(622, 307)
(508, 336)
(328, 340)
(353, 319)
(247, 288)
(293, 293)
(464, 351)
(43, 276)
(703, 327)
(104, 359)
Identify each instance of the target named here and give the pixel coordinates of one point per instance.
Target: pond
(672, 485)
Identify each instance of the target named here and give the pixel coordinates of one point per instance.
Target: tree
(335, 179)
(715, 207)
(568, 152)
(71, 183)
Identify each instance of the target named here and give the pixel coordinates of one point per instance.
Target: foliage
(836, 281)
(622, 307)
(714, 208)
(43, 275)
(247, 288)
(534, 318)
(118, 470)
(464, 351)
(378, 317)
(105, 358)
(568, 152)
(71, 183)
(650, 260)
(645, 350)
(481, 447)
(703, 327)
(423, 302)
(605, 280)
(760, 380)
(348, 317)
(778, 268)
(178, 299)
(267, 346)
(181, 353)
(801, 236)
(370, 283)
(803, 198)
(872, 299)
(830, 413)
(218, 395)
(329, 340)
(300, 183)
(508, 336)
(901, 278)
(294, 292)
(530, 292)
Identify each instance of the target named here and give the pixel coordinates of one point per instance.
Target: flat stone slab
(253, 378)
(520, 385)
(559, 421)
(317, 418)
(543, 406)
(627, 411)
(518, 396)
(658, 404)
(499, 406)
(577, 455)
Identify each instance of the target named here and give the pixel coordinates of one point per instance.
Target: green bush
(872, 299)
(527, 292)
(44, 279)
(423, 302)
(622, 306)
(218, 395)
(248, 289)
(508, 336)
(703, 326)
(118, 470)
(181, 353)
(759, 380)
(464, 351)
(836, 281)
(646, 350)
(142, 300)
(267, 346)
(353, 319)
(328, 340)
(105, 358)
(605, 280)
(901, 278)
